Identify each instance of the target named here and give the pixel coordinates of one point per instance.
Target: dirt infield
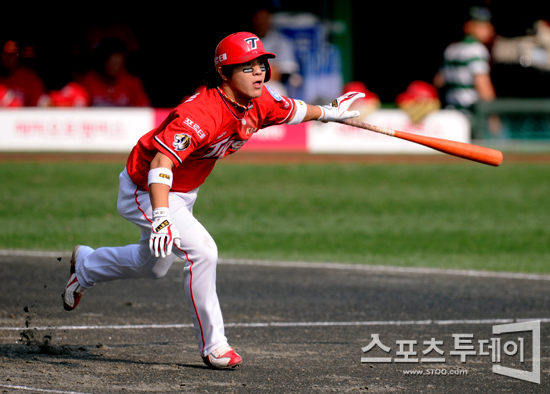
(280, 157)
(300, 329)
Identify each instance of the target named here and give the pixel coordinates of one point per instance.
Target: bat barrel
(477, 153)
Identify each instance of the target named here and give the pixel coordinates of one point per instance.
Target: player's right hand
(164, 234)
(338, 109)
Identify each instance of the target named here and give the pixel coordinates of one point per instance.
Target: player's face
(482, 31)
(247, 80)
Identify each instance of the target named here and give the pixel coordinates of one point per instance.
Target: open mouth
(257, 84)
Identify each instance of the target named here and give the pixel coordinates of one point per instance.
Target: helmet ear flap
(267, 71)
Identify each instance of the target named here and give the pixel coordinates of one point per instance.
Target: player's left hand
(164, 234)
(338, 109)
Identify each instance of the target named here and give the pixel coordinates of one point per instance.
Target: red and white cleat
(73, 290)
(223, 357)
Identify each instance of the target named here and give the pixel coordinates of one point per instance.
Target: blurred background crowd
(400, 55)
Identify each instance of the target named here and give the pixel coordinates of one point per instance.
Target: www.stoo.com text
(436, 372)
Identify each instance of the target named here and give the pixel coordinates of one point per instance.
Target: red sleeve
(278, 108)
(179, 138)
(29, 83)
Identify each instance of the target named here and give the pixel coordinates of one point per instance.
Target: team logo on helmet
(220, 58)
(181, 142)
(252, 41)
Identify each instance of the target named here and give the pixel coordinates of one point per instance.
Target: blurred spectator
(23, 81)
(96, 33)
(72, 94)
(419, 100)
(108, 83)
(285, 67)
(8, 98)
(28, 55)
(365, 105)
(320, 75)
(530, 50)
(465, 75)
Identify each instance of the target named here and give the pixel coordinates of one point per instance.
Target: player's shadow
(31, 349)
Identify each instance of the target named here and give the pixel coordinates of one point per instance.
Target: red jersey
(26, 84)
(126, 91)
(197, 133)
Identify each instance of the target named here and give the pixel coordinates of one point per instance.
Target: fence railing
(512, 119)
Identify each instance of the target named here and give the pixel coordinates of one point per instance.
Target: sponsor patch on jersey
(195, 127)
(181, 141)
(275, 95)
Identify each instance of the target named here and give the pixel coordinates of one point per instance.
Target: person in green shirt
(464, 76)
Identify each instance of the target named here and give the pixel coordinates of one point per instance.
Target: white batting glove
(164, 233)
(338, 109)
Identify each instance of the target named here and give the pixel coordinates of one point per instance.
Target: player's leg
(123, 262)
(89, 266)
(199, 251)
(131, 261)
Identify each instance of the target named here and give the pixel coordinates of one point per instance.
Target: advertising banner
(118, 129)
(341, 138)
(76, 130)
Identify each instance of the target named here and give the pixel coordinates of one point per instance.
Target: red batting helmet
(240, 48)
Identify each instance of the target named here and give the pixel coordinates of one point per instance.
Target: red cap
(11, 46)
(416, 90)
(239, 48)
(358, 86)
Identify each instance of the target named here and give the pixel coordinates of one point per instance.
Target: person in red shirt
(70, 95)
(108, 83)
(164, 171)
(23, 81)
(8, 98)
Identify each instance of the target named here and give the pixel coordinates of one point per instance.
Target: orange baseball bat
(460, 149)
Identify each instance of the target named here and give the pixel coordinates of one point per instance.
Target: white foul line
(39, 390)
(341, 266)
(283, 324)
(33, 253)
(389, 269)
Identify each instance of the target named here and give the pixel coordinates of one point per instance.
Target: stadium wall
(117, 130)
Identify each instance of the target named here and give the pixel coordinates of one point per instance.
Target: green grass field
(465, 216)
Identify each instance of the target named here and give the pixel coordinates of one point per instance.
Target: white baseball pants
(198, 250)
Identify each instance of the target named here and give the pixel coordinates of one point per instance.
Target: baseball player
(160, 182)
(465, 73)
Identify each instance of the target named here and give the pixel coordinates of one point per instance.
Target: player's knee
(120, 207)
(211, 258)
(158, 272)
(206, 253)
(157, 268)
(210, 251)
